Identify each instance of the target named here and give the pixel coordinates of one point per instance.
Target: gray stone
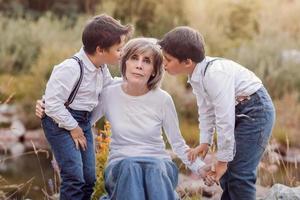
(282, 192)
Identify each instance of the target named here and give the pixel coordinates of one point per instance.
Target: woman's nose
(139, 64)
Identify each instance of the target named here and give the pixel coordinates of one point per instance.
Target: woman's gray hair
(139, 46)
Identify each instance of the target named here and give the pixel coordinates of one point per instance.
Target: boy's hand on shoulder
(79, 138)
(200, 150)
(39, 108)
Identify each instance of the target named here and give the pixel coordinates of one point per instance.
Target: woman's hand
(200, 150)
(39, 109)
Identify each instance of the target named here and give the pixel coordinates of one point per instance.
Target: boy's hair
(184, 43)
(139, 46)
(103, 31)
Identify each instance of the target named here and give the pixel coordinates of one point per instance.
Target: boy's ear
(99, 49)
(188, 62)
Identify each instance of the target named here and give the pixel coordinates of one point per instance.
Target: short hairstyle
(184, 43)
(103, 31)
(139, 46)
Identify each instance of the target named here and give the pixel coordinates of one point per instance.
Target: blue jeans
(253, 127)
(77, 167)
(141, 178)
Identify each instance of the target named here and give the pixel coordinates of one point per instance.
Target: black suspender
(75, 90)
(209, 63)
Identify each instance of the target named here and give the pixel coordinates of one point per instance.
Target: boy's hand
(200, 150)
(215, 175)
(39, 109)
(79, 138)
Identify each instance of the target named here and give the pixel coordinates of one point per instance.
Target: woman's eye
(134, 57)
(148, 61)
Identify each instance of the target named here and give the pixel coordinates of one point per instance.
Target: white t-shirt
(137, 122)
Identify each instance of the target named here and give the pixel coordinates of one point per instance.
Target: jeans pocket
(51, 127)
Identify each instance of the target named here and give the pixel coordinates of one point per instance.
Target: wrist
(76, 128)
(222, 163)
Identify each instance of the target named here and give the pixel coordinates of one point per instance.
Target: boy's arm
(58, 89)
(220, 88)
(206, 120)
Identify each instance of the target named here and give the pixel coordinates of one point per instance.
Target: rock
(17, 128)
(282, 192)
(7, 110)
(193, 185)
(37, 137)
(17, 149)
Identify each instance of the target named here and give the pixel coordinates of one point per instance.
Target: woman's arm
(171, 128)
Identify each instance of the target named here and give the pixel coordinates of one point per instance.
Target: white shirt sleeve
(220, 88)
(98, 111)
(58, 89)
(206, 120)
(171, 128)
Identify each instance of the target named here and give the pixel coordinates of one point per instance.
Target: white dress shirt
(61, 83)
(216, 94)
(137, 122)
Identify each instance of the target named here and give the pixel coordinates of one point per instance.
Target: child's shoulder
(68, 64)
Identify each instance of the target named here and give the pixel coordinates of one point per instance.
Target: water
(21, 169)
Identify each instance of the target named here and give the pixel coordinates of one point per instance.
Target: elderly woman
(138, 109)
(138, 165)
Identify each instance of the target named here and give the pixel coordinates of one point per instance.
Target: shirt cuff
(70, 126)
(206, 138)
(225, 155)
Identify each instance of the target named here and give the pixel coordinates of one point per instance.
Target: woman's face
(139, 68)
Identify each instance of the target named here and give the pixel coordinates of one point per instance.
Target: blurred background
(35, 35)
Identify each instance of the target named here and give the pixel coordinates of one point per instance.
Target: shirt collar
(86, 61)
(196, 75)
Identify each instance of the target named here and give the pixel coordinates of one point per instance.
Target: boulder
(282, 192)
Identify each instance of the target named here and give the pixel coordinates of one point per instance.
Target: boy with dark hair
(231, 101)
(71, 94)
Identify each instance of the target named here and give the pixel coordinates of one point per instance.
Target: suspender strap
(75, 90)
(209, 63)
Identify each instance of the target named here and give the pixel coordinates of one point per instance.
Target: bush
(102, 149)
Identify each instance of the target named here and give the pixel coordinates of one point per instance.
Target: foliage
(25, 70)
(102, 149)
(151, 18)
(36, 8)
(31, 46)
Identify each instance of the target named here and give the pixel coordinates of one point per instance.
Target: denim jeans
(141, 178)
(253, 127)
(77, 167)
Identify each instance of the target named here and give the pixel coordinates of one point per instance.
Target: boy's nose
(164, 62)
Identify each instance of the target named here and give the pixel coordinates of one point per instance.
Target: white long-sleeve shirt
(137, 122)
(216, 93)
(61, 83)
